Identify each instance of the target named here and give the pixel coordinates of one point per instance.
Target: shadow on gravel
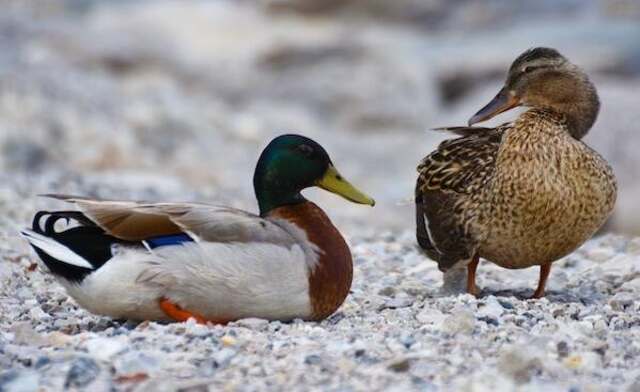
(564, 297)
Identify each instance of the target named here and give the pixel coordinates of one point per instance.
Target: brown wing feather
(136, 221)
(121, 219)
(457, 164)
(449, 180)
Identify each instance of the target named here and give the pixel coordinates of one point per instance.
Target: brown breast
(549, 194)
(330, 280)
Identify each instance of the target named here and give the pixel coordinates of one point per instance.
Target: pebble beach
(173, 101)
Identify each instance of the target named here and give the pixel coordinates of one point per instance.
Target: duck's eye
(305, 149)
(529, 68)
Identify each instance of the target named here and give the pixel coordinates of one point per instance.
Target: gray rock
(400, 365)
(460, 321)
(253, 323)
(224, 356)
(490, 307)
(19, 381)
(83, 372)
(620, 301)
(396, 303)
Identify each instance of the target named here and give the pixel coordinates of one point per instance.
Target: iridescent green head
(291, 163)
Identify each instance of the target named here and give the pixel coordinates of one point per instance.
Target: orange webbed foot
(178, 314)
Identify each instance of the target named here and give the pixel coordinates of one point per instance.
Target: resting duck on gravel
(173, 261)
(525, 193)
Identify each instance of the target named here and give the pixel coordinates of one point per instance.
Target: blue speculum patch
(167, 240)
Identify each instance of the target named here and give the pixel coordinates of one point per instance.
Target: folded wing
(449, 180)
(138, 221)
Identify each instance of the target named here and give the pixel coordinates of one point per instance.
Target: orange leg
(471, 276)
(545, 269)
(178, 314)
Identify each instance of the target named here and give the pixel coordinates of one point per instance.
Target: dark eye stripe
(530, 68)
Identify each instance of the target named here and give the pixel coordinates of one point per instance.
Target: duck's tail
(74, 252)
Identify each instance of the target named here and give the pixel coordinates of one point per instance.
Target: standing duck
(524, 193)
(174, 261)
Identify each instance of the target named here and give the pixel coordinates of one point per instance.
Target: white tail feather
(55, 249)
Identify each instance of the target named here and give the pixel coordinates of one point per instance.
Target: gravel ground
(396, 331)
(175, 100)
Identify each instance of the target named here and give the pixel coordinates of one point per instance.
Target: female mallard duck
(525, 193)
(172, 261)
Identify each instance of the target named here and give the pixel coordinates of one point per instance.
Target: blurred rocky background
(176, 99)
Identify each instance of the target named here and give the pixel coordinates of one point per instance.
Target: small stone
(312, 359)
(140, 327)
(25, 334)
(601, 254)
(621, 300)
(42, 362)
(387, 291)
(224, 356)
(573, 362)
(633, 246)
(135, 362)
(518, 363)
(460, 321)
(430, 316)
(57, 339)
(194, 329)
(401, 365)
(407, 340)
(563, 349)
(82, 373)
(489, 320)
(253, 323)
(105, 348)
(397, 303)
(335, 318)
(228, 340)
(37, 313)
(505, 304)
(24, 155)
(490, 308)
(586, 361)
(19, 381)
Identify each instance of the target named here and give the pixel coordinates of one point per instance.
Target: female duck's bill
(503, 101)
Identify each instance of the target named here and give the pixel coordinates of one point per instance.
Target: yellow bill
(333, 182)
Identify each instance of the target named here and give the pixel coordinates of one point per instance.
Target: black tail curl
(87, 240)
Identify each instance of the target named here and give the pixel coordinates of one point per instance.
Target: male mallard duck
(172, 261)
(525, 193)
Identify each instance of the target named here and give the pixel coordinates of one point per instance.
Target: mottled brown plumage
(525, 193)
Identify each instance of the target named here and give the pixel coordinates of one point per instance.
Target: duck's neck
(331, 274)
(269, 200)
(274, 191)
(580, 109)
